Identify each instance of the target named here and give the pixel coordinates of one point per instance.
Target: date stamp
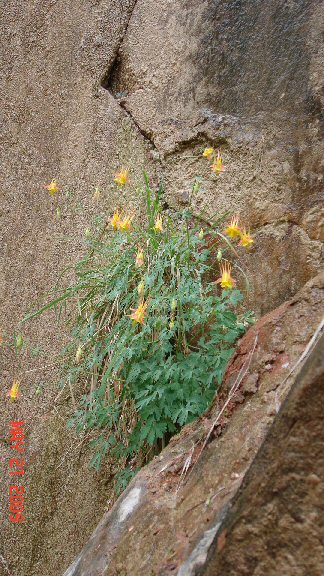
(17, 469)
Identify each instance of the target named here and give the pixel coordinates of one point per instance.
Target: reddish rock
(179, 506)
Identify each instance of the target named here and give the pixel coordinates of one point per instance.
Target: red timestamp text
(17, 468)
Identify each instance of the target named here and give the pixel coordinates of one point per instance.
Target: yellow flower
(96, 195)
(139, 313)
(125, 224)
(232, 230)
(139, 261)
(115, 220)
(208, 152)
(52, 187)
(246, 238)
(14, 391)
(218, 165)
(121, 178)
(158, 227)
(226, 280)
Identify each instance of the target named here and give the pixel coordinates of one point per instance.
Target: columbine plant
(155, 328)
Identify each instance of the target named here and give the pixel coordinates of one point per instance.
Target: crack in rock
(106, 82)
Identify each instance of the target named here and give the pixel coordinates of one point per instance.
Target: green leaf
(235, 297)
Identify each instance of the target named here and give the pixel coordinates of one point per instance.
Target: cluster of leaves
(144, 381)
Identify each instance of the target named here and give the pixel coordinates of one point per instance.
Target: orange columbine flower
(218, 165)
(208, 152)
(226, 280)
(52, 187)
(246, 238)
(139, 261)
(232, 230)
(139, 313)
(125, 224)
(158, 226)
(14, 391)
(121, 178)
(115, 220)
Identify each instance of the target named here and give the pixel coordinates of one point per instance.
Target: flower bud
(219, 255)
(139, 260)
(171, 324)
(140, 290)
(158, 226)
(79, 354)
(201, 234)
(19, 341)
(88, 233)
(173, 304)
(196, 186)
(96, 195)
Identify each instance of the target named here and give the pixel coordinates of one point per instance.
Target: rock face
(54, 124)
(253, 489)
(275, 525)
(92, 85)
(245, 77)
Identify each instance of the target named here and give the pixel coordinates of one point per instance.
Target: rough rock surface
(88, 86)
(276, 524)
(245, 76)
(54, 124)
(177, 509)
